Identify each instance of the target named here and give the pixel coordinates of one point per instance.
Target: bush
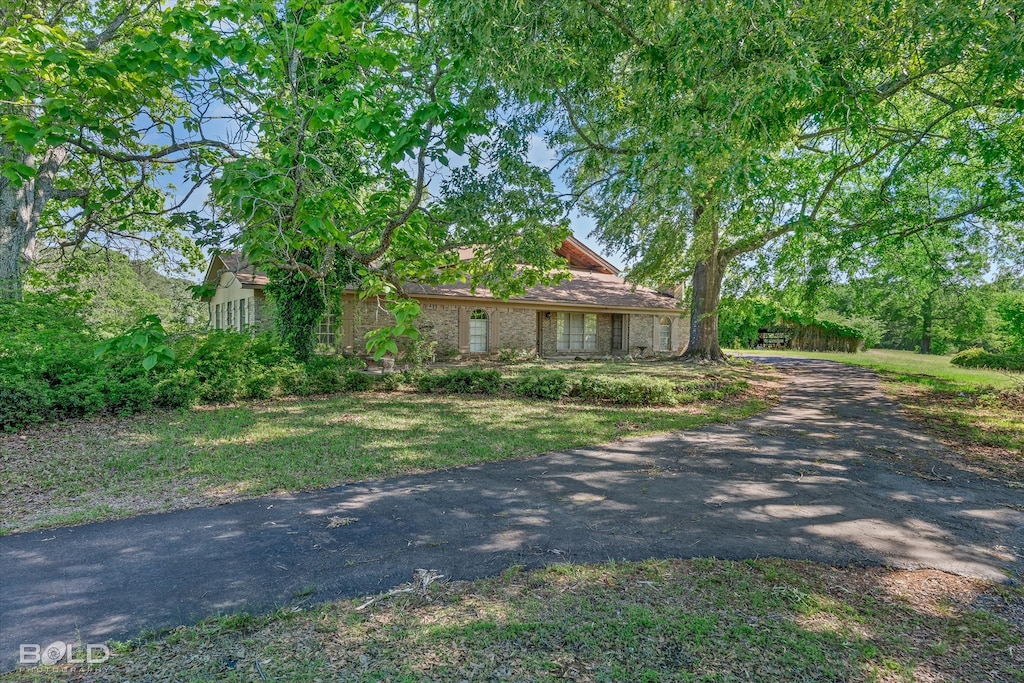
(628, 390)
(392, 381)
(178, 388)
(549, 384)
(23, 402)
(980, 358)
(358, 381)
(463, 381)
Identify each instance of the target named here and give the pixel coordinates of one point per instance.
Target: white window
(217, 319)
(577, 332)
(665, 334)
(231, 314)
(242, 314)
(325, 332)
(478, 332)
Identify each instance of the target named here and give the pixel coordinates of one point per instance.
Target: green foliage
(95, 110)
(1011, 314)
(693, 133)
(638, 391)
(554, 385)
(299, 304)
(547, 384)
(741, 318)
(23, 402)
(352, 109)
(146, 338)
(980, 358)
(383, 341)
(463, 381)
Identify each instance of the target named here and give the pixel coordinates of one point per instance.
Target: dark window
(617, 327)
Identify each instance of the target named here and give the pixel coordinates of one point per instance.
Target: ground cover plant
(673, 620)
(976, 411)
(113, 467)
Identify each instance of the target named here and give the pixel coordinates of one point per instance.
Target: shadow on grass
(650, 621)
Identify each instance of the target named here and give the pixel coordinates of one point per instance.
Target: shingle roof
(585, 288)
(244, 271)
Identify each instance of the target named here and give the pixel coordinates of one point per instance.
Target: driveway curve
(801, 481)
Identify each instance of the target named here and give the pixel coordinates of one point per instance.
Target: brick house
(593, 313)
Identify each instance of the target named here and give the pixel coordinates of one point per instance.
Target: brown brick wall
(510, 328)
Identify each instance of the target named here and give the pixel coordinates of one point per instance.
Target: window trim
(480, 316)
(572, 337)
(664, 342)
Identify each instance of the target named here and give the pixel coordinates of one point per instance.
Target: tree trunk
(706, 294)
(21, 208)
(926, 322)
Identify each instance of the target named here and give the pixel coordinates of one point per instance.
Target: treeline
(939, 320)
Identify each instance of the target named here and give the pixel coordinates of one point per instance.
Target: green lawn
(103, 469)
(979, 413)
(698, 620)
(910, 366)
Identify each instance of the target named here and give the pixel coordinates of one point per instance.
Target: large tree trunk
(706, 294)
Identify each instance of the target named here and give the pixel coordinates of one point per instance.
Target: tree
(97, 101)
(377, 155)
(695, 133)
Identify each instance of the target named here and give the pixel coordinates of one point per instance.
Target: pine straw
(657, 620)
(984, 429)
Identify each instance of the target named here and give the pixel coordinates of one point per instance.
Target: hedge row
(558, 384)
(980, 358)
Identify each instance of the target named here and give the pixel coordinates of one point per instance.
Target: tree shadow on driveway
(799, 482)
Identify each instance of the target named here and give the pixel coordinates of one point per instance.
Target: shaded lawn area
(979, 413)
(696, 620)
(103, 469)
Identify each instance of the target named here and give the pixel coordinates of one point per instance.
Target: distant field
(915, 366)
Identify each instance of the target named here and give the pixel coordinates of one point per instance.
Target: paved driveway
(800, 481)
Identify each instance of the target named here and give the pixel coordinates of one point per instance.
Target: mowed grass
(923, 369)
(979, 413)
(103, 469)
(697, 620)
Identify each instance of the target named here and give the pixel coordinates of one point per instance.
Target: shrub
(358, 381)
(392, 381)
(463, 381)
(23, 402)
(550, 384)
(178, 388)
(627, 390)
(980, 358)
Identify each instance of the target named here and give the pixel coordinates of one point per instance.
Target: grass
(979, 413)
(697, 620)
(911, 367)
(103, 469)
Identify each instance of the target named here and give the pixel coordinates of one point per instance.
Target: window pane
(665, 334)
(562, 332)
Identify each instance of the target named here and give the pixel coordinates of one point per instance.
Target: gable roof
(232, 262)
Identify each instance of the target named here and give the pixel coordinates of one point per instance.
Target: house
(593, 313)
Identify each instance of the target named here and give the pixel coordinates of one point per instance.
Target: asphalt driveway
(802, 481)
